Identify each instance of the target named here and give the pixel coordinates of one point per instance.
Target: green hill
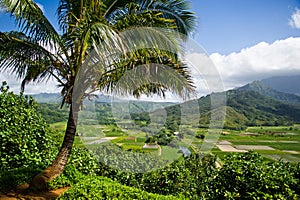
(251, 105)
(265, 90)
(261, 110)
(250, 108)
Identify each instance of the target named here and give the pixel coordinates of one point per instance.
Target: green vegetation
(91, 187)
(261, 110)
(112, 172)
(24, 135)
(53, 113)
(248, 176)
(11, 178)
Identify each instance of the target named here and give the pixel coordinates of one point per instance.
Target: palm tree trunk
(39, 182)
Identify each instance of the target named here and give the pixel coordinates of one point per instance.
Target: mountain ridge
(265, 90)
(253, 104)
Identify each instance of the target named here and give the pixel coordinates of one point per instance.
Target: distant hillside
(246, 108)
(262, 110)
(251, 105)
(52, 112)
(265, 90)
(287, 84)
(56, 98)
(250, 108)
(47, 97)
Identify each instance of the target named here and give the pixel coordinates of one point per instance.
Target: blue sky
(245, 39)
(223, 26)
(227, 26)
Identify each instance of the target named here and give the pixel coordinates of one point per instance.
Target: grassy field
(61, 126)
(282, 142)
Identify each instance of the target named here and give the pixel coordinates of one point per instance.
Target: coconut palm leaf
(96, 49)
(149, 49)
(31, 20)
(26, 58)
(174, 10)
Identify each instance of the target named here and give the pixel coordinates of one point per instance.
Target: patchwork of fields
(275, 143)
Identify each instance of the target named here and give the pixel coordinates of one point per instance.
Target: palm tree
(38, 51)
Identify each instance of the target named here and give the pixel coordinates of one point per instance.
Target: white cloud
(205, 75)
(260, 61)
(32, 88)
(254, 63)
(295, 19)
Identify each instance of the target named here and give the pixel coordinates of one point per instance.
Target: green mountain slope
(250, 108)
(262, 110)
(251, 105)
(265, 90)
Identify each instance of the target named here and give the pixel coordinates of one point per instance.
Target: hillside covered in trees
(250, 105)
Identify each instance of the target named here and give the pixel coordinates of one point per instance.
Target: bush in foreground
(92, 187)
(24, 135)
(249, 176)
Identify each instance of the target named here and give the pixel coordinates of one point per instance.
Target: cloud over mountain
(259, 61)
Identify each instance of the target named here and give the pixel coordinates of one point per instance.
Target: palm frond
(176, 11)
(26, 58)
(31, 20)
(70, 13)
(136, 18)
(149, 65)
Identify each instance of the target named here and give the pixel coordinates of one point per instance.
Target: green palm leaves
(38, 52)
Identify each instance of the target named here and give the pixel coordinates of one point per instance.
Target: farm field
(273, 142)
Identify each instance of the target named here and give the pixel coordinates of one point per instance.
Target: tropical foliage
(38, 52)
(247, 175)
(24, 135)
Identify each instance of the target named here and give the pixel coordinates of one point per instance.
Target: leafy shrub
(125, 161)
(84, 161)
(24, 135)
(69, 177)
(91, 187)
(186, 176)
(248, 176)
(52, 112)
